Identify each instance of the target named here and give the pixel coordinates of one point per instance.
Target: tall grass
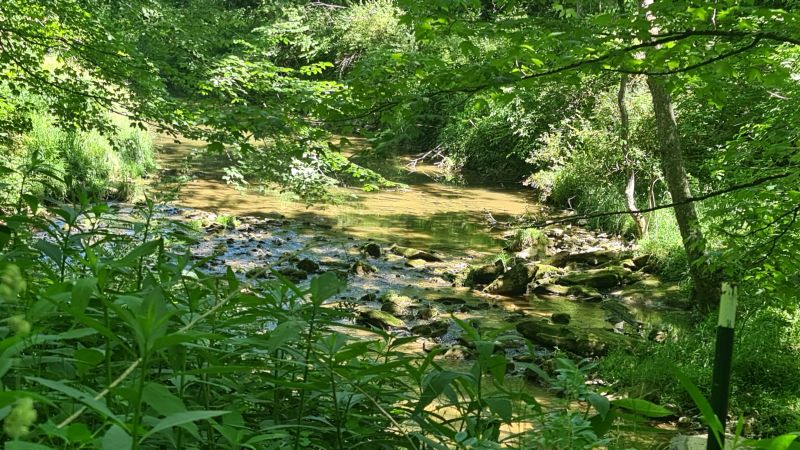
(64, 164)
(664, 245)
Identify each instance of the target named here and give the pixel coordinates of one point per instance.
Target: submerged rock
(413, 253)
(451, 302)
(585, 293)
(551, 289)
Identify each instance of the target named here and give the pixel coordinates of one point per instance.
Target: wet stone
(433, 330)
(372, 249)
(308, 265)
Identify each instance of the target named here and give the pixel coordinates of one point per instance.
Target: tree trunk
(706, 283)
(624, 131)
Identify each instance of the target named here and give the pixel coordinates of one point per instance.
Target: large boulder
(484, 275)
(413, 253)
(514, 281)
(583, 342)
(604, 278)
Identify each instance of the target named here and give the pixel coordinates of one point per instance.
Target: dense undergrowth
(114, 337)
(50, 161)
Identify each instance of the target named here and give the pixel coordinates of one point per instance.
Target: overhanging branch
(698, 198)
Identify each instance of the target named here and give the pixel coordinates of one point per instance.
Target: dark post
(723, 356)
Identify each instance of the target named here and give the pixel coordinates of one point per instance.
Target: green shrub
(64, 164)
(664, 244)
(765, 376)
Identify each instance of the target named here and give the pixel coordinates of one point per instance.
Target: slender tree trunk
(630, 188)
(706, 283)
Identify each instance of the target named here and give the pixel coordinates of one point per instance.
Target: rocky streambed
(560, 288)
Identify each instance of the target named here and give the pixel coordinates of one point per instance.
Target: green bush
(664, 244)
(64, 164)
(765, 377)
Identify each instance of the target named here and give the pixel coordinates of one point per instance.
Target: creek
(447, 222)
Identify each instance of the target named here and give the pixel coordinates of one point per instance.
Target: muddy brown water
(427, 214)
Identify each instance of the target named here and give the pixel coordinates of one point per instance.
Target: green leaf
(283, 333)
(502, 407)
(642, 407)
(180, 419)
(117, 438)
(324, 287)
(162, 400)
(50, 250)
(141, 251)
(80, 396)
(82, 291)
(600, 403)
(705, 408)
(5, 236)
(434, 387)
(783, 442)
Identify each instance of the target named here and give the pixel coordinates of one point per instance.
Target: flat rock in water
(380, 319)
(551, 289)
(397, 304)
(413, 253)
(416, 263)
(580, 341)
(604, 278)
